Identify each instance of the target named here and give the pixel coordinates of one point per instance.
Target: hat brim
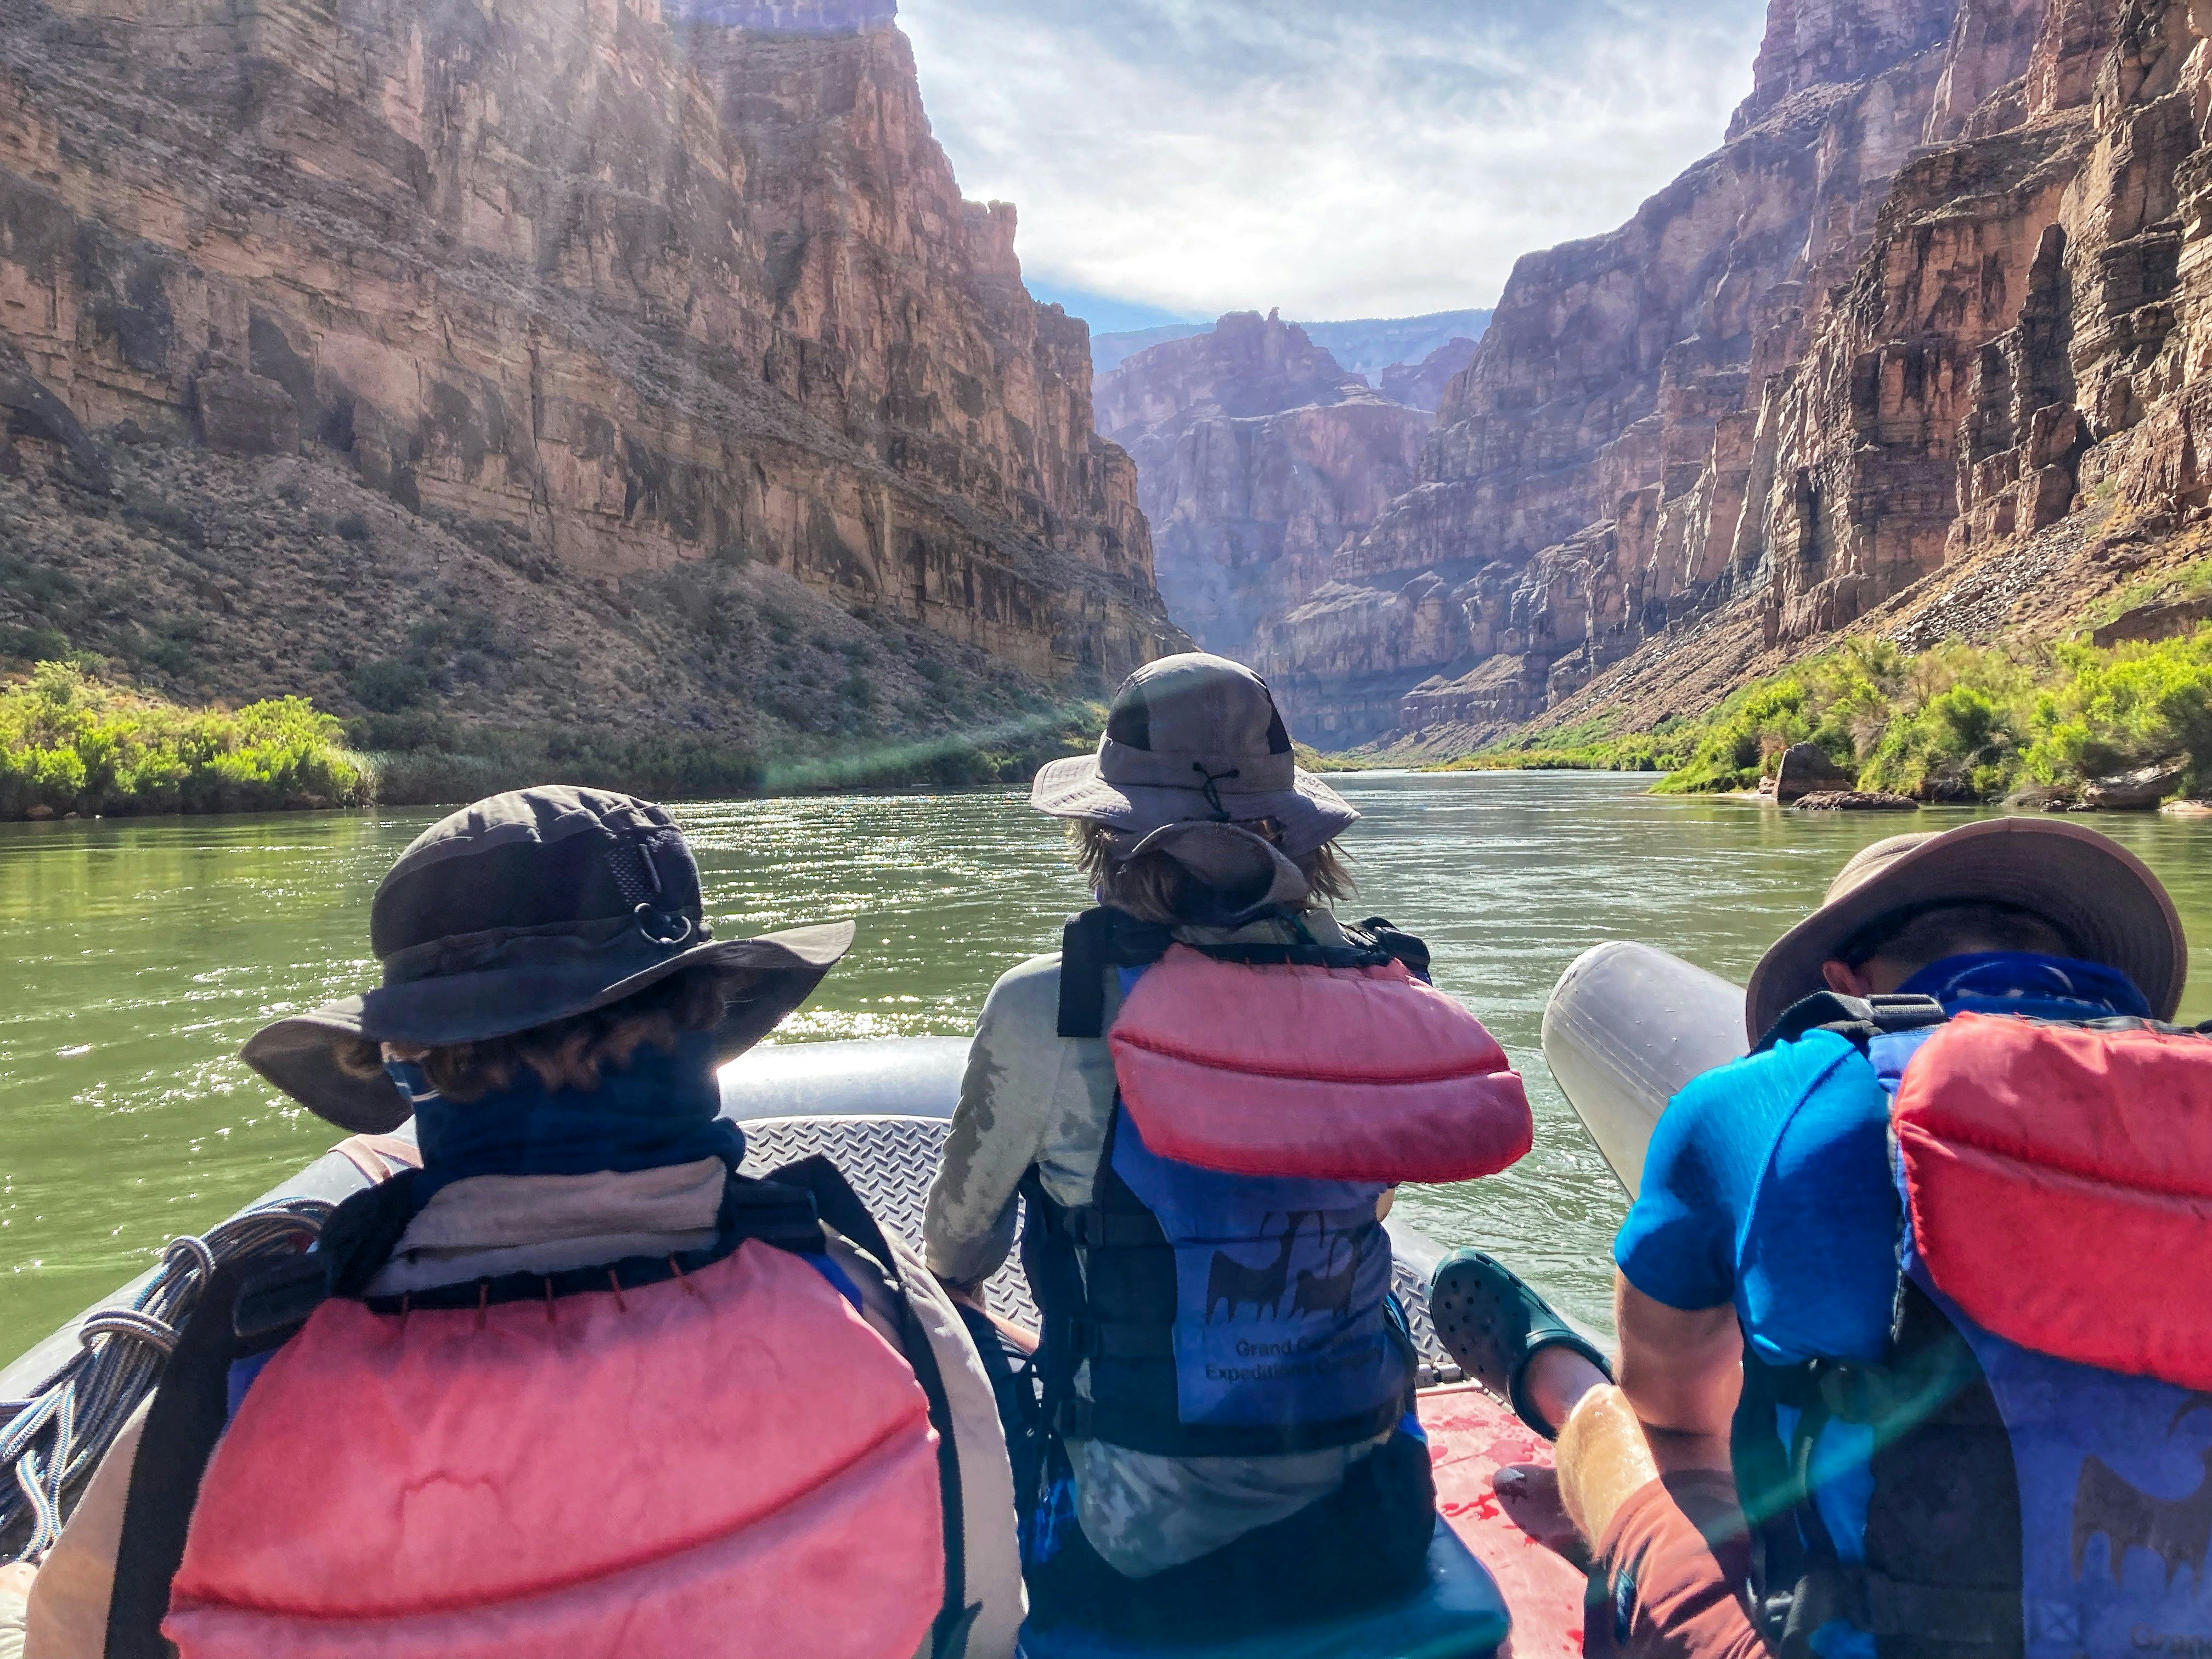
(299, 1055)
(1311, 813)
(2101, 895)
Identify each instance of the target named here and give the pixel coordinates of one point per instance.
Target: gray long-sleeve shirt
(1033, 1099)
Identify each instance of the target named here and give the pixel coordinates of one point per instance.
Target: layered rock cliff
(613, 292)
(1928, 319)
(1258, 457)
(1614, 369)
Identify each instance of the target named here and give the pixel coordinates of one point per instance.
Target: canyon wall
(1939, 293)
(1258, 456)
(619, 289)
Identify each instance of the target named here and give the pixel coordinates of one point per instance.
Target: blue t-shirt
(1767, 1184)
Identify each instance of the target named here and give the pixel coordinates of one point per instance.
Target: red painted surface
(1494, 1484)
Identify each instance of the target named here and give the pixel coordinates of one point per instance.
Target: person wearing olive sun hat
(575, 1385)
(1205, 1098)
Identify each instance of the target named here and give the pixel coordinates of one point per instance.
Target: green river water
(140, 954)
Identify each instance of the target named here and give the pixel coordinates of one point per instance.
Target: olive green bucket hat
(1196, 739)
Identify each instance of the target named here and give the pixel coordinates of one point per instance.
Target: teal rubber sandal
(1492, 1324)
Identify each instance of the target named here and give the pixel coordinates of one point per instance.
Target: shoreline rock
(1855, 800)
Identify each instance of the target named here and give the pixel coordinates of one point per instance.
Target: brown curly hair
(566, 1053)
(1155, 887)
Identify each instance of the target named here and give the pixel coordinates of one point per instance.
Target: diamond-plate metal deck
(890, 1161)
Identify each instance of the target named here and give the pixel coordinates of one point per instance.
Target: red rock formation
(642, 291)
(1258, 457)
(1423, 384)
(1562, 499)
(1942, 283)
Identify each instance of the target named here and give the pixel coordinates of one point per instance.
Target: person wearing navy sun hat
(561, 1388)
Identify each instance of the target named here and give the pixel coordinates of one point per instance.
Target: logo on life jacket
(2177, 1530)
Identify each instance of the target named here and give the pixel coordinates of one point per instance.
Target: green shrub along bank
(71, 743)
(68, 743)
(1954, 723)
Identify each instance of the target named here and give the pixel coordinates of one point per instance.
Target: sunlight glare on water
(141, 954)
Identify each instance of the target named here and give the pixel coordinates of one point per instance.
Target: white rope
(53, 1440)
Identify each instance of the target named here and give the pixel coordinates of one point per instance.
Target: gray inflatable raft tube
(1626, 1026)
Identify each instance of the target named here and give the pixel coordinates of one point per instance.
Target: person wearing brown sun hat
(1881, 1319)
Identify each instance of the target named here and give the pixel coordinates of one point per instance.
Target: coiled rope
(51, 1441)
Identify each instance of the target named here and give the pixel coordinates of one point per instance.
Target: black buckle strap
(1093, 1228)
(1083, 1338)
(1859, 1019)
(278, 1300)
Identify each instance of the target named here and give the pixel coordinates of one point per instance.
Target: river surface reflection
(140, 954)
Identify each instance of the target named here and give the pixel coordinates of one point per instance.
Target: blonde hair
(1155, 887)
(565, 1053)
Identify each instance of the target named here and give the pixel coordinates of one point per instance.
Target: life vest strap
(1095, 1339)
(1079, 1418)
(1105, 938)
(1093, 1228)
(1858, 1019)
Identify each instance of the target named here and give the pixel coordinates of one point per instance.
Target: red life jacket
(2088, 1153)
(1338, 1074)
(731, 1461)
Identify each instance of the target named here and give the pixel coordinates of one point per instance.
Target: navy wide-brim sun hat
(520, 910)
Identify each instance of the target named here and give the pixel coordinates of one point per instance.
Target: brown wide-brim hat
(1195, 738)
(2096, 892)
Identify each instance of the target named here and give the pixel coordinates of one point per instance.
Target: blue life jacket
(1218, 1315)
(1971, 1495)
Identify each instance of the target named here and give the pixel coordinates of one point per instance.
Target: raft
(881, 1110)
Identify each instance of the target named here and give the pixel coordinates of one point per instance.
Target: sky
(1175, 159)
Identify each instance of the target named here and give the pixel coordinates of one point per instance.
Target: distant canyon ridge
(1260, 453)
(1925, 348)
(572, 364)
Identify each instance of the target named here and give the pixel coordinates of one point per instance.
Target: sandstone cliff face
(1560, 510)
(1929, 336)
(1258, 457)
(627, 290)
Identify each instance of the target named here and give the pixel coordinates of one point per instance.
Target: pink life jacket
(729, 1463)
(1335, 1074)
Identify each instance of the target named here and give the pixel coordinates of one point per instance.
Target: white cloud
(1338, 160)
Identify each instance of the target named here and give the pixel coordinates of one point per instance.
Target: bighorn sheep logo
(2177, 1530)
(1230, 1281)
(1330, 1292)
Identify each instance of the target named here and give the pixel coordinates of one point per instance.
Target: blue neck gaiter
(2021, 983)
(661, 1109)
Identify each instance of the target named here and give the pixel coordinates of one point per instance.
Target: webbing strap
(182, 1427)
(839, 1206)
(1085, 1419)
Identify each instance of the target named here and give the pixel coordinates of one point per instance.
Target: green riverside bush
(69, 744)
(1955, 723)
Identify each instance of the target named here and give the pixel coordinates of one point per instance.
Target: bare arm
(1682, 1372)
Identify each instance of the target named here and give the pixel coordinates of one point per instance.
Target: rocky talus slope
(325, 321)
(1258, 457)
(1935, 313)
